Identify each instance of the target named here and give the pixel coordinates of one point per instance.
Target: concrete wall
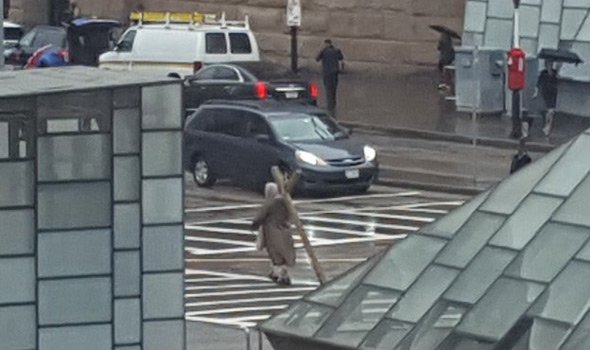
(370, 32)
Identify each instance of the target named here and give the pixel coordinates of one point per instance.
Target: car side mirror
(263, 138)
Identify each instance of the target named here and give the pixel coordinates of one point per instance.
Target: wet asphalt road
(225, 280)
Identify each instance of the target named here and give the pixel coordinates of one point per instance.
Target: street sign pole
(516, 94)
(1, 34)
(294, 22)
(294, 53)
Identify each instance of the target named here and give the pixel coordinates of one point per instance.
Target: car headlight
(309, 158)
(370, 153)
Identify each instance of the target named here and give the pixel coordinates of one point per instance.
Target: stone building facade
(370, 32)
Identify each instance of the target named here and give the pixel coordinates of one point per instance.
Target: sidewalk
(409, 105)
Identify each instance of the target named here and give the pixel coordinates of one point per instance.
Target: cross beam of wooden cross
(286, 186)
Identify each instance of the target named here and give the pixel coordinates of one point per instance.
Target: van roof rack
(192, 18)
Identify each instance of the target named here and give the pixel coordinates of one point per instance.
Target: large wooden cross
(286, 186)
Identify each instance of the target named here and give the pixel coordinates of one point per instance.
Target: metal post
(247, 333)
(1, 34)
(516, 95)
(294, 54)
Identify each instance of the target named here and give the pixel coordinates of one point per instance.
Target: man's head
(328, 42)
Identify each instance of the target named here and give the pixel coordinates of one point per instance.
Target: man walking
(331, 58)
(547, 87)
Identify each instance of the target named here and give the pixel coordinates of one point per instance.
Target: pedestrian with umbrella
(547, 82)
(446, 53)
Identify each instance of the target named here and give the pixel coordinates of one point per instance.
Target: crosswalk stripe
(236, 310)
(358, 223)
(392, 216)
(243, 301)
(251, 291)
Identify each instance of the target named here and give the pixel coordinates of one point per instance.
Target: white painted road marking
(309, 201)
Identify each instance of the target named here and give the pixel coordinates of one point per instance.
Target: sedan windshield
(306, 128)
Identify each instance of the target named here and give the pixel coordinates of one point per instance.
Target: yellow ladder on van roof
(173, 17)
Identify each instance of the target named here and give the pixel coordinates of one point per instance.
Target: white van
(181, 49)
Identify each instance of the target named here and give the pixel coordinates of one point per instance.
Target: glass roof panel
(576, 3)
(423, 294)
(387, 335)
(508, 195)
(568, 298)
(470, 239)
(542, 334)
(548, 252)
(529, 21)
(487, 266)
(449, 224)
(302, 319)
(549, 36)
(584, 33)
(475, 16)
(501, 9)
(568, 171)
(551, 11)
(575, 209)
(435, 327)
(580, 337)
(333, 293)
(498, 33)
(571, 23)
(584, 254)
(460, 342)
(401, 265)
(526, 221)
(500, 308)
(359, 313)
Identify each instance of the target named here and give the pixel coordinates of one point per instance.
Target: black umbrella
(560, 56)
(445, 30)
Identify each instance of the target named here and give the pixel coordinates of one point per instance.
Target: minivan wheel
(202, 174)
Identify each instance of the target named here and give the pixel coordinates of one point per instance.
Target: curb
(442, 136)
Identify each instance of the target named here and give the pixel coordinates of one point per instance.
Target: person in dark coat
(520, 159)
(331, 59)
(547, 87)
(446, 56)
(275, 234)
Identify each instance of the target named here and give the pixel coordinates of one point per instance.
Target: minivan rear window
(240, 43)
(215, 43)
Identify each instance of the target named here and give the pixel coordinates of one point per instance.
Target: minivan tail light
(314, 91)
(197, 66)
(261, 90)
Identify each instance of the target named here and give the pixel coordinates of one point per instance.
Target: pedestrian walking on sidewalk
(275, 234)
(547, 88)
(446, 57)
(332, 60)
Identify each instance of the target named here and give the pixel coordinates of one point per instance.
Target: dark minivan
(242, 140)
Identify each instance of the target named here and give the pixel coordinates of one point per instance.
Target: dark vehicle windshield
(41, 37)
(12, 33)
(300, 127)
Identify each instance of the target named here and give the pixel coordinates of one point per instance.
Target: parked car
(243, 139)
(12, 34)
(37, 38)
(178, 47)
(247, 80)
